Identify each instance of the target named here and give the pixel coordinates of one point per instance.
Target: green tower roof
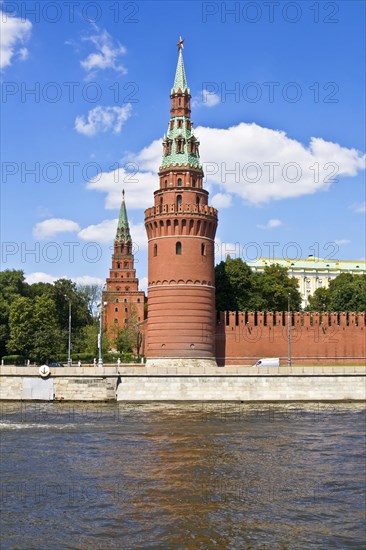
(180, 80)
(123, 229)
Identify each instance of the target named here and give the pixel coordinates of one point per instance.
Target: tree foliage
(238, 288)
(346, 292)
(34, 318)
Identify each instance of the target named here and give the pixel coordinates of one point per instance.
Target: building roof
(180, 81)
(312, 263)
(123, 229)
(186, 158)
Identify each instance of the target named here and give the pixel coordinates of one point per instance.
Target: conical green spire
(123, 229)
(180, 80)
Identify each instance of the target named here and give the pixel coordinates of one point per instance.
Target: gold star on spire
(180, 43)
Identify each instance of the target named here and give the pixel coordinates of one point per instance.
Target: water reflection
(182, 475)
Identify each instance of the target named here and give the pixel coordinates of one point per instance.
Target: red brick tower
(124, 301)
(181, 229)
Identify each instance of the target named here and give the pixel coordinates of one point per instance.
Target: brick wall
(316, 338)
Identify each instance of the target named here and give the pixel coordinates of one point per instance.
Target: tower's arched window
(179, 201)
(161, 201)
(155, 249)
(117, 300)
(116, 309)
(179, 124)
(179, 182)
(118, 265)
(178, 248)
(203, 249)
(116, 321)
(197, 200)
(122, 248)
(193, 183)
(179, 102)
(127, 288)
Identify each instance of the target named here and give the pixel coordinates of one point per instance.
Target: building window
(127, 288)
(117, 300)
(155, 249)
(122, 248)
(116, 309)
(138, 299)
(179, 182)
(125, 300)
(126, 309)
(118, 265)
(116, 321)
(178, 248)
(179, 101)
(203, 249)
(197, 200)
(166, 184)
(179, 124)
(125, 264)
(193, 183)
(179, 201)
(126, 320)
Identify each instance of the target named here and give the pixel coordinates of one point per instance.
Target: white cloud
(206, 99)
(342, 241)
(41, 277)
(14, 32)
(139, 187)
(240, 161)
(237, 159)
(53, 226)
(359, 207)
(221, 201)
(87, 280)
(106, 56)
(105, 232)
(102, 119)
(271, 224)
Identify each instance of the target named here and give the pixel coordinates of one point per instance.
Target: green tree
(238, 288)
(47, 344)
(33, 329)
(12, 287)
(347, 292)
(92, 295)
(21, 327)
(273, 287)
(319, 301)
(234, 280)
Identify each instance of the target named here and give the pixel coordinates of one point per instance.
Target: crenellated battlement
(180, 209)
(280, 319)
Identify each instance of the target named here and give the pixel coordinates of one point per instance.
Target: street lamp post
(100, 359)
(288, 332)
(69, 361)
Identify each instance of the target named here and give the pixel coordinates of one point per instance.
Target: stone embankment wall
(316, 338)
(139, 383)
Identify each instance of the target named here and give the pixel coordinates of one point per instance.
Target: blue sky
(278, 105)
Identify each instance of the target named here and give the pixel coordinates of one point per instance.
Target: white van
(268, 362)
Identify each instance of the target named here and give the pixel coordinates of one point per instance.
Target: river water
(195, 476)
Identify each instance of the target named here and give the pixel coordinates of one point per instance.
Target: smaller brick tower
(124, 301)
